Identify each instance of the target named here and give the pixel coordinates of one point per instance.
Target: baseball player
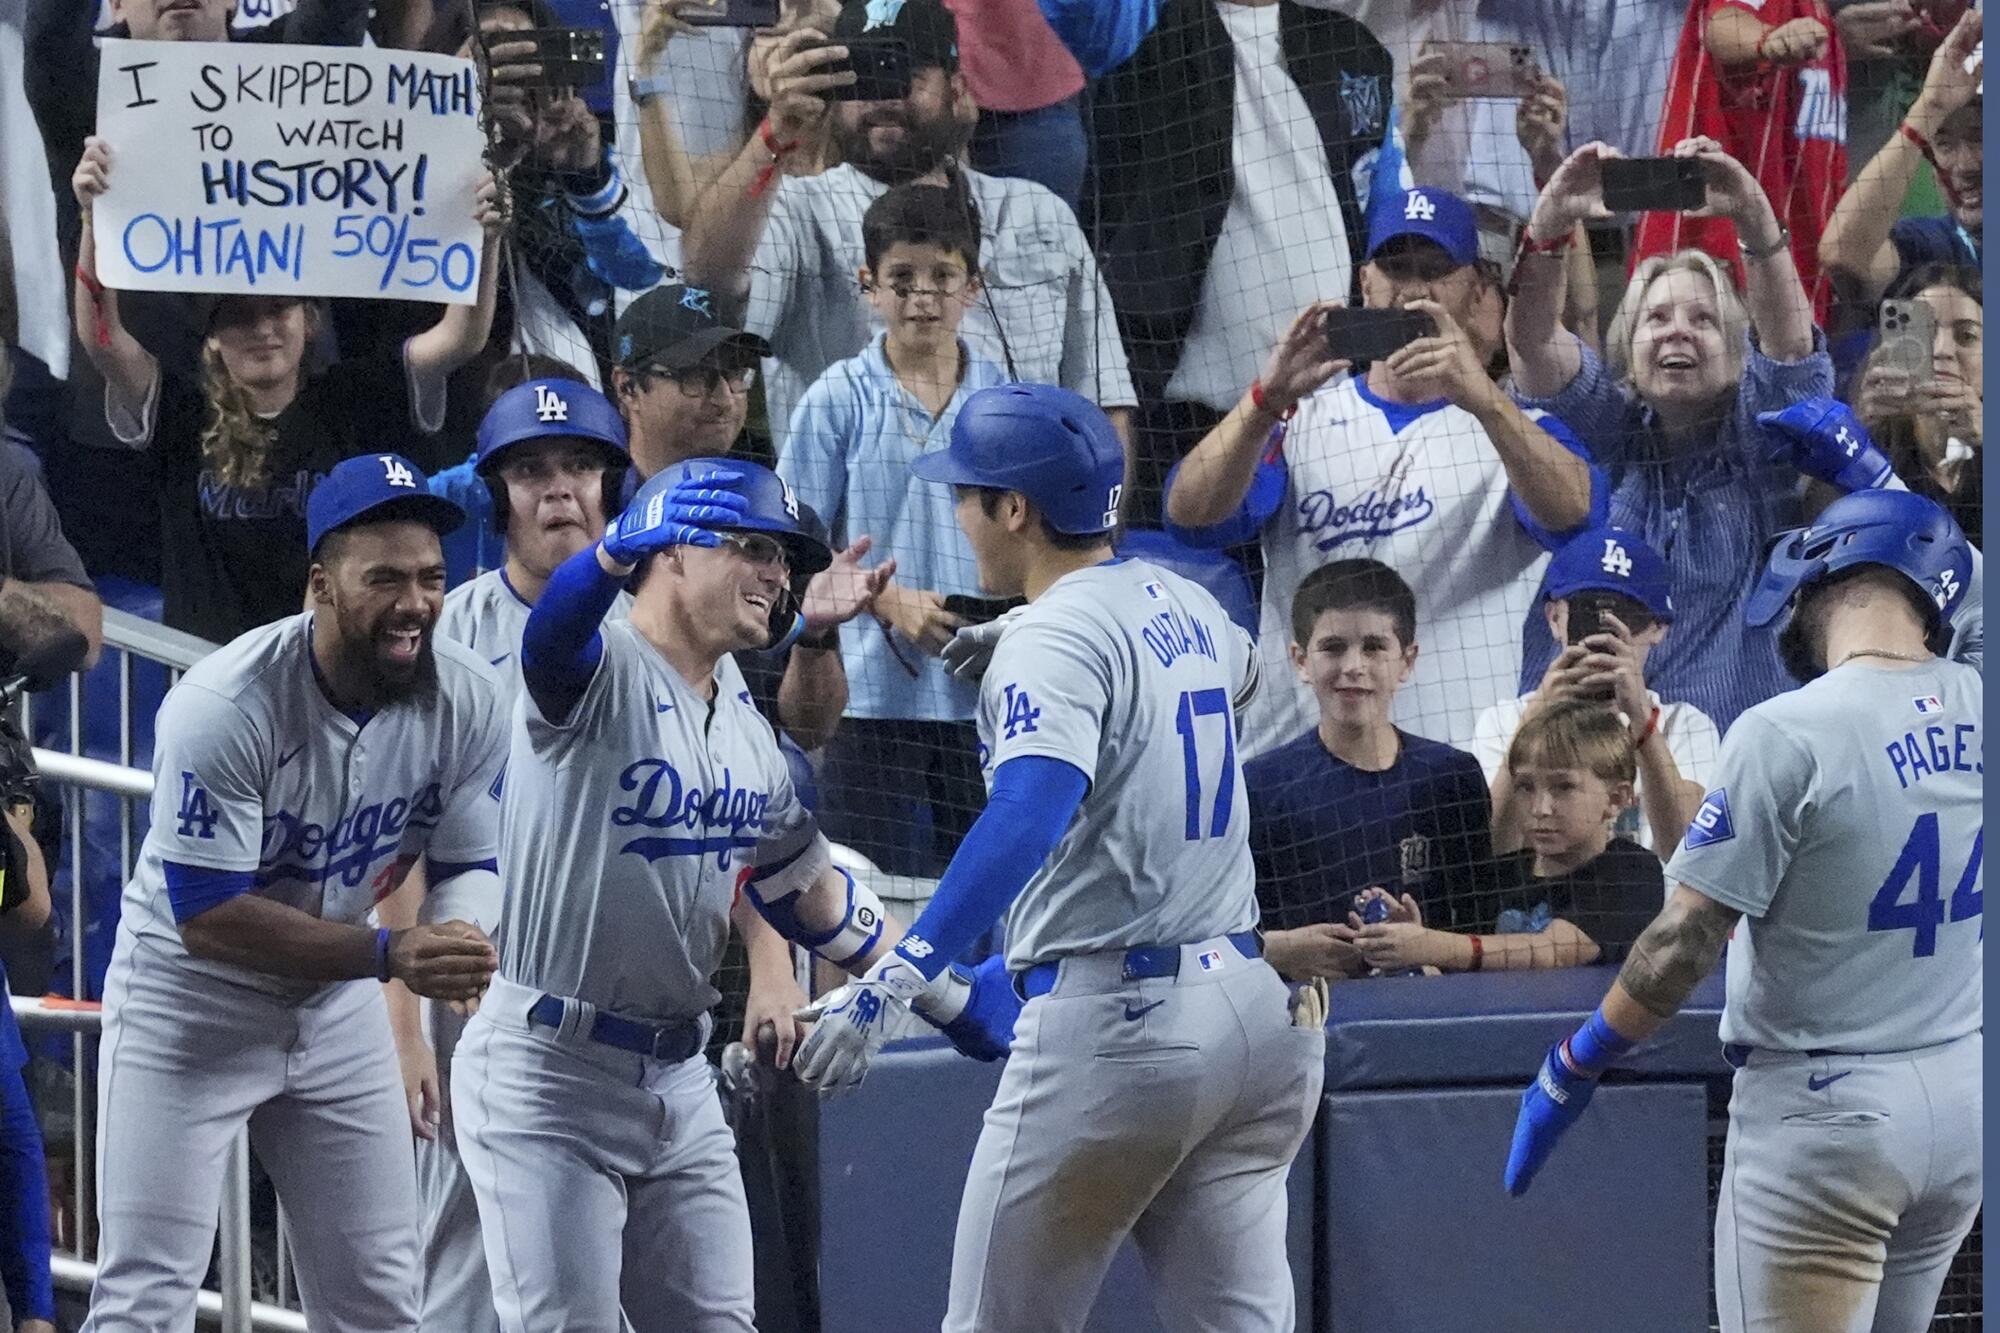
(640, 793)
(1842, 845)
(299, 772)
(1157, 1085)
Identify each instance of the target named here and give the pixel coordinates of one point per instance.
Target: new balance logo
(1419, 208)
(1616, 560)
(550, 405)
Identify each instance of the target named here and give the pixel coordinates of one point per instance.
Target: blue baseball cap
(380, 488)
(1612, 560)
(1438, 216)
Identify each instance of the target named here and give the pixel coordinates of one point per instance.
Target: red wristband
(100, 327)
(1916, 136)
(1554, 246)
(1263, 404)
(1478, 953)
(1651, 729)
(777, 148)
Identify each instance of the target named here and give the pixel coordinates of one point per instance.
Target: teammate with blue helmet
(641, 793)
(541, 416)
(1129, 918)
(1839, 855)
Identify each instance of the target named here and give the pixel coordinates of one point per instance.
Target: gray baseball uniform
(262, 785)
(1167, 1107)
(602, 1172)
(1846, 825)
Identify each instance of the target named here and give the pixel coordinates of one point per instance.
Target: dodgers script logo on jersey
(728, 819)
(292, 843)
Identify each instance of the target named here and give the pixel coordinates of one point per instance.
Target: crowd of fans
(1496, 574)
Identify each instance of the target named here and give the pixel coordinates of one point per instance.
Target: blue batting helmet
(549, 409)
(773, 508)
(1053, 446)
(1894, 529)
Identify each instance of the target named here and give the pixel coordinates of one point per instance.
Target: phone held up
(568, 57)
(881, 68)
(732, 14)
(1359, 334)
(1654, 184)
(1496, 70)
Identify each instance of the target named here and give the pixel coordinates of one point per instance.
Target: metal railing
(131, 644)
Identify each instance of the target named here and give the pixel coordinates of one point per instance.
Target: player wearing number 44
(1839, 854)
(1129, 917)
(301, 771)
(242, 443)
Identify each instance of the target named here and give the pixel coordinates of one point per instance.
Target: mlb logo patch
(1711, 823)
(1156, 591)
(1210, 960)
(1928, 704)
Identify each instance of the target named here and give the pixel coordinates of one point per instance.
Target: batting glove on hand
(971, 648)
(851, 1023)
(1551, 1105)
(1822, 438)
(687, 513)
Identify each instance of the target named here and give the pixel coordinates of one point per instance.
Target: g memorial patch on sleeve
(1711, 822)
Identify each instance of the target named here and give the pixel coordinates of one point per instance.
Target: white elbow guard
(775, 892)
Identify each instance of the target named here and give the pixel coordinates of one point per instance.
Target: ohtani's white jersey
(1846, 823)
(1130, 674)
(257, 773)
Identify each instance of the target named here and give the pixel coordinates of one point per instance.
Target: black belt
(675, 1041)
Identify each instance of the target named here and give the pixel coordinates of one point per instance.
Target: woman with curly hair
(243, 443)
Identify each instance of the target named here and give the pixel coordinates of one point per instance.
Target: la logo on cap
(1615, 560)
(1419, 207)
(549, 405)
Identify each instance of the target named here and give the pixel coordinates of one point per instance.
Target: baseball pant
(1848, 1183)
(604, 1179)
(457, 1291)
(1166, 1109)
(186, 1061)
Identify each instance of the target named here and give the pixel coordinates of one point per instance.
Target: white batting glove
(971, 648)
(851, 1022)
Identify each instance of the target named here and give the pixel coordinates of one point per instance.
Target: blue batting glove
(669, 511)
(1551, 1105)
(1822, 438)
(984, 1027)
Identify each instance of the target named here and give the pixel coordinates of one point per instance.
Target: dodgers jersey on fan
(1421, 489)
(1130, 674)
(1846, 824)
(256, 771)
(624, 827)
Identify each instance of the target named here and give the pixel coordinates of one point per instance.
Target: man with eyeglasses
(1419, 460)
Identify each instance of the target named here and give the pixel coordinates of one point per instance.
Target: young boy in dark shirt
(1573, 894)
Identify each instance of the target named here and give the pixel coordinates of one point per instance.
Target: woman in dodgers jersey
(1157, 1086)
(301, 771)
(1842, 846)
(638, 797)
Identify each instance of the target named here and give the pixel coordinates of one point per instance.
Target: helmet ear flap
(611, 493)
(503, 509)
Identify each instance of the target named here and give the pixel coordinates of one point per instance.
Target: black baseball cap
(926, 27)
(674, 327)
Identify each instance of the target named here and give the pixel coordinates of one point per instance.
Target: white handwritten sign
(296, 170)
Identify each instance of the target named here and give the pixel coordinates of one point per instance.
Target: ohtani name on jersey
(1366, 518)
(1172, 635)
(724, 820)
(355, 842)
(1954, 750)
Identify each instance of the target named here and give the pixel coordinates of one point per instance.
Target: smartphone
(1654, 184)
(1487, 70)
(881, 68)
(731, 14)
(569, 57)
(979, 610)
(1909, 332)
(1359, 334)
(1586, 613)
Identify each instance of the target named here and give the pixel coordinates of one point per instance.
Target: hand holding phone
(731, 14)
(1909, 333)
(1359, 334)
(881, 67)
(1497, 70)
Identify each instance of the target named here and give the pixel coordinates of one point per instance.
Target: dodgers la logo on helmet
(550, 405)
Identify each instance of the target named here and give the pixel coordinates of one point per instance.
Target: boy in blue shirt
(1357, 803)
(901, 780)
